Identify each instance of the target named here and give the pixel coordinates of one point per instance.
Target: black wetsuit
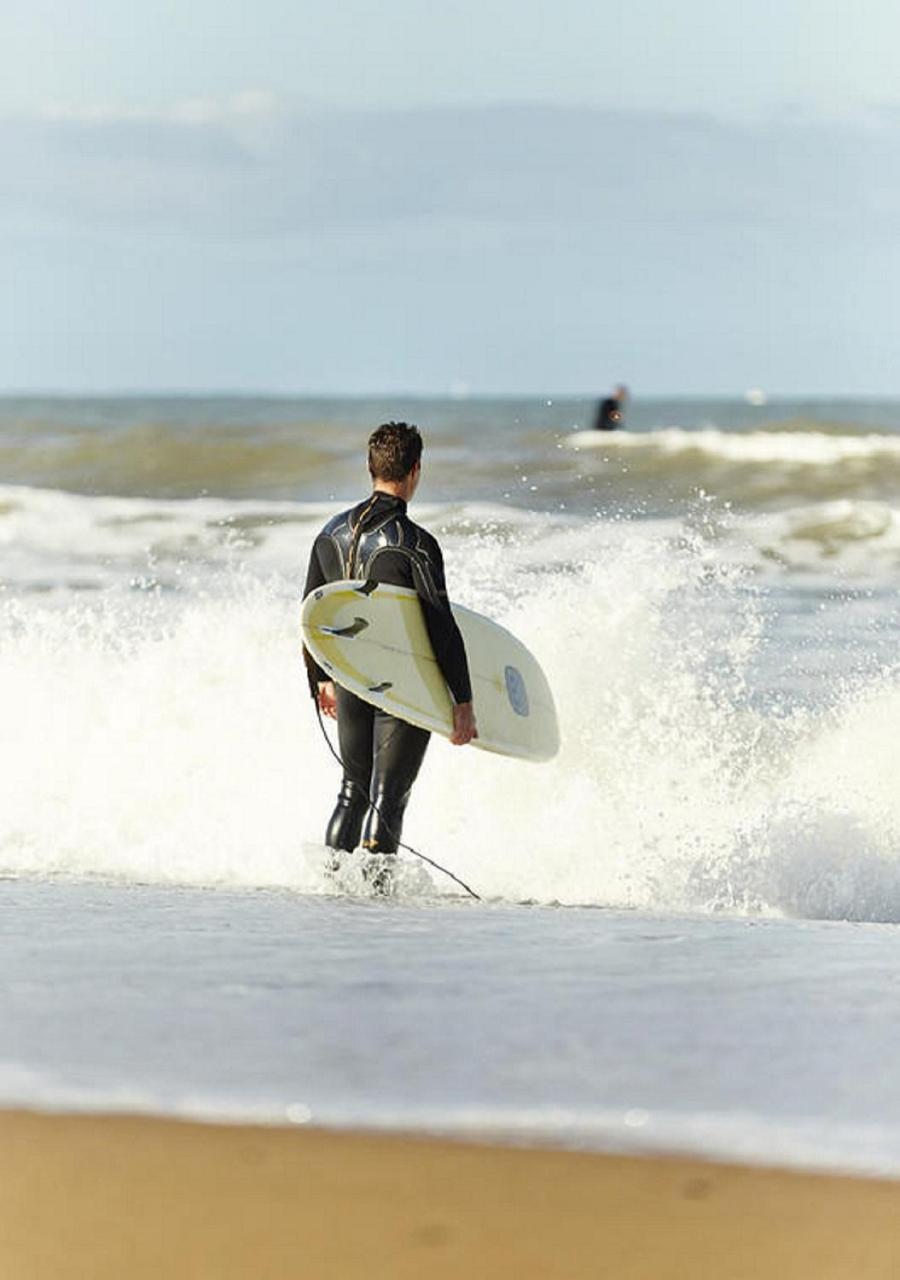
(609, 414)
(377, 540)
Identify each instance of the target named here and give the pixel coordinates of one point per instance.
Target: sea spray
(159, 728)
(645, 652)
(150, 741)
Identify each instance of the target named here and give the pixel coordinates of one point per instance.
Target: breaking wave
(158, 728)
(745, 468)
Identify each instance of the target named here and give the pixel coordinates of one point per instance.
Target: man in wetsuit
(381, 754)
(611, 411)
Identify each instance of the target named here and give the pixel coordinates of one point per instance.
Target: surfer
(380, 753)
(611, 411)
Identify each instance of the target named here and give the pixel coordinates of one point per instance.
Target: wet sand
(127, 1198)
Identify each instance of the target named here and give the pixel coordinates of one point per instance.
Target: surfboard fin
(347, 633)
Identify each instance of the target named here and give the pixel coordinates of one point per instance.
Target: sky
(491, 197)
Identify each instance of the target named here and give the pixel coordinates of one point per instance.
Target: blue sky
(504, 197)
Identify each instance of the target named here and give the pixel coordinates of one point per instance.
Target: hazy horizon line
(225, 393)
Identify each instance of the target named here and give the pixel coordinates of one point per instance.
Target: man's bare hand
(327, 699)
(464, 726)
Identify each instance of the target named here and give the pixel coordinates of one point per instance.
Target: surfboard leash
(400, 844)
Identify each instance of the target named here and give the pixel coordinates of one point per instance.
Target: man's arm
(321, 686)
(426, 577)
(447, 642)
(445, 636)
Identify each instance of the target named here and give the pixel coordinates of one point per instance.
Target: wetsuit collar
(389, 499)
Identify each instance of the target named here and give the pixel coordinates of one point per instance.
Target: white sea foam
(169, 737)
(52, 541)
(50, 537)
(809, 448)
(858, 538)
(800, 1142)
(749, 469)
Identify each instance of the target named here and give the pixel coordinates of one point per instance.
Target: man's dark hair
(394, 449)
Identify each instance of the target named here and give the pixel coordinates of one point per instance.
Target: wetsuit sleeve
(425, 574)
(445, 636)
(315, 577)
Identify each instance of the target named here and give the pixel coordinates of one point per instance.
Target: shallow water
(766, 1040)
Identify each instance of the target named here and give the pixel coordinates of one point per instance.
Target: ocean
(685, 938)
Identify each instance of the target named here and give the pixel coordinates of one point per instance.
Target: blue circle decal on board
(516, 691)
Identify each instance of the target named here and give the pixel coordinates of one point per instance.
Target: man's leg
(398, 751)
(355, 739)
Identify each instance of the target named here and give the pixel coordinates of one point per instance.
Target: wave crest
(746, 468)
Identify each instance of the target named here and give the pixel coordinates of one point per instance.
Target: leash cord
(408, 847)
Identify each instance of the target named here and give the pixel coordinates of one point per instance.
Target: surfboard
(371, 639)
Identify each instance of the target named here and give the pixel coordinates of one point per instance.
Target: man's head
(395, 452)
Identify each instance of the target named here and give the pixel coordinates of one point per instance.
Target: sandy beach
(126, 1197)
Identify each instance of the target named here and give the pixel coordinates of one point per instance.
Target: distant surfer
(381, 754)
(611, 411)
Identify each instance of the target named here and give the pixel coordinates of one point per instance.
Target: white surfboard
(371, 639)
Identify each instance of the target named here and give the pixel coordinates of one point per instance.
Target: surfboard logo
(516, 691)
